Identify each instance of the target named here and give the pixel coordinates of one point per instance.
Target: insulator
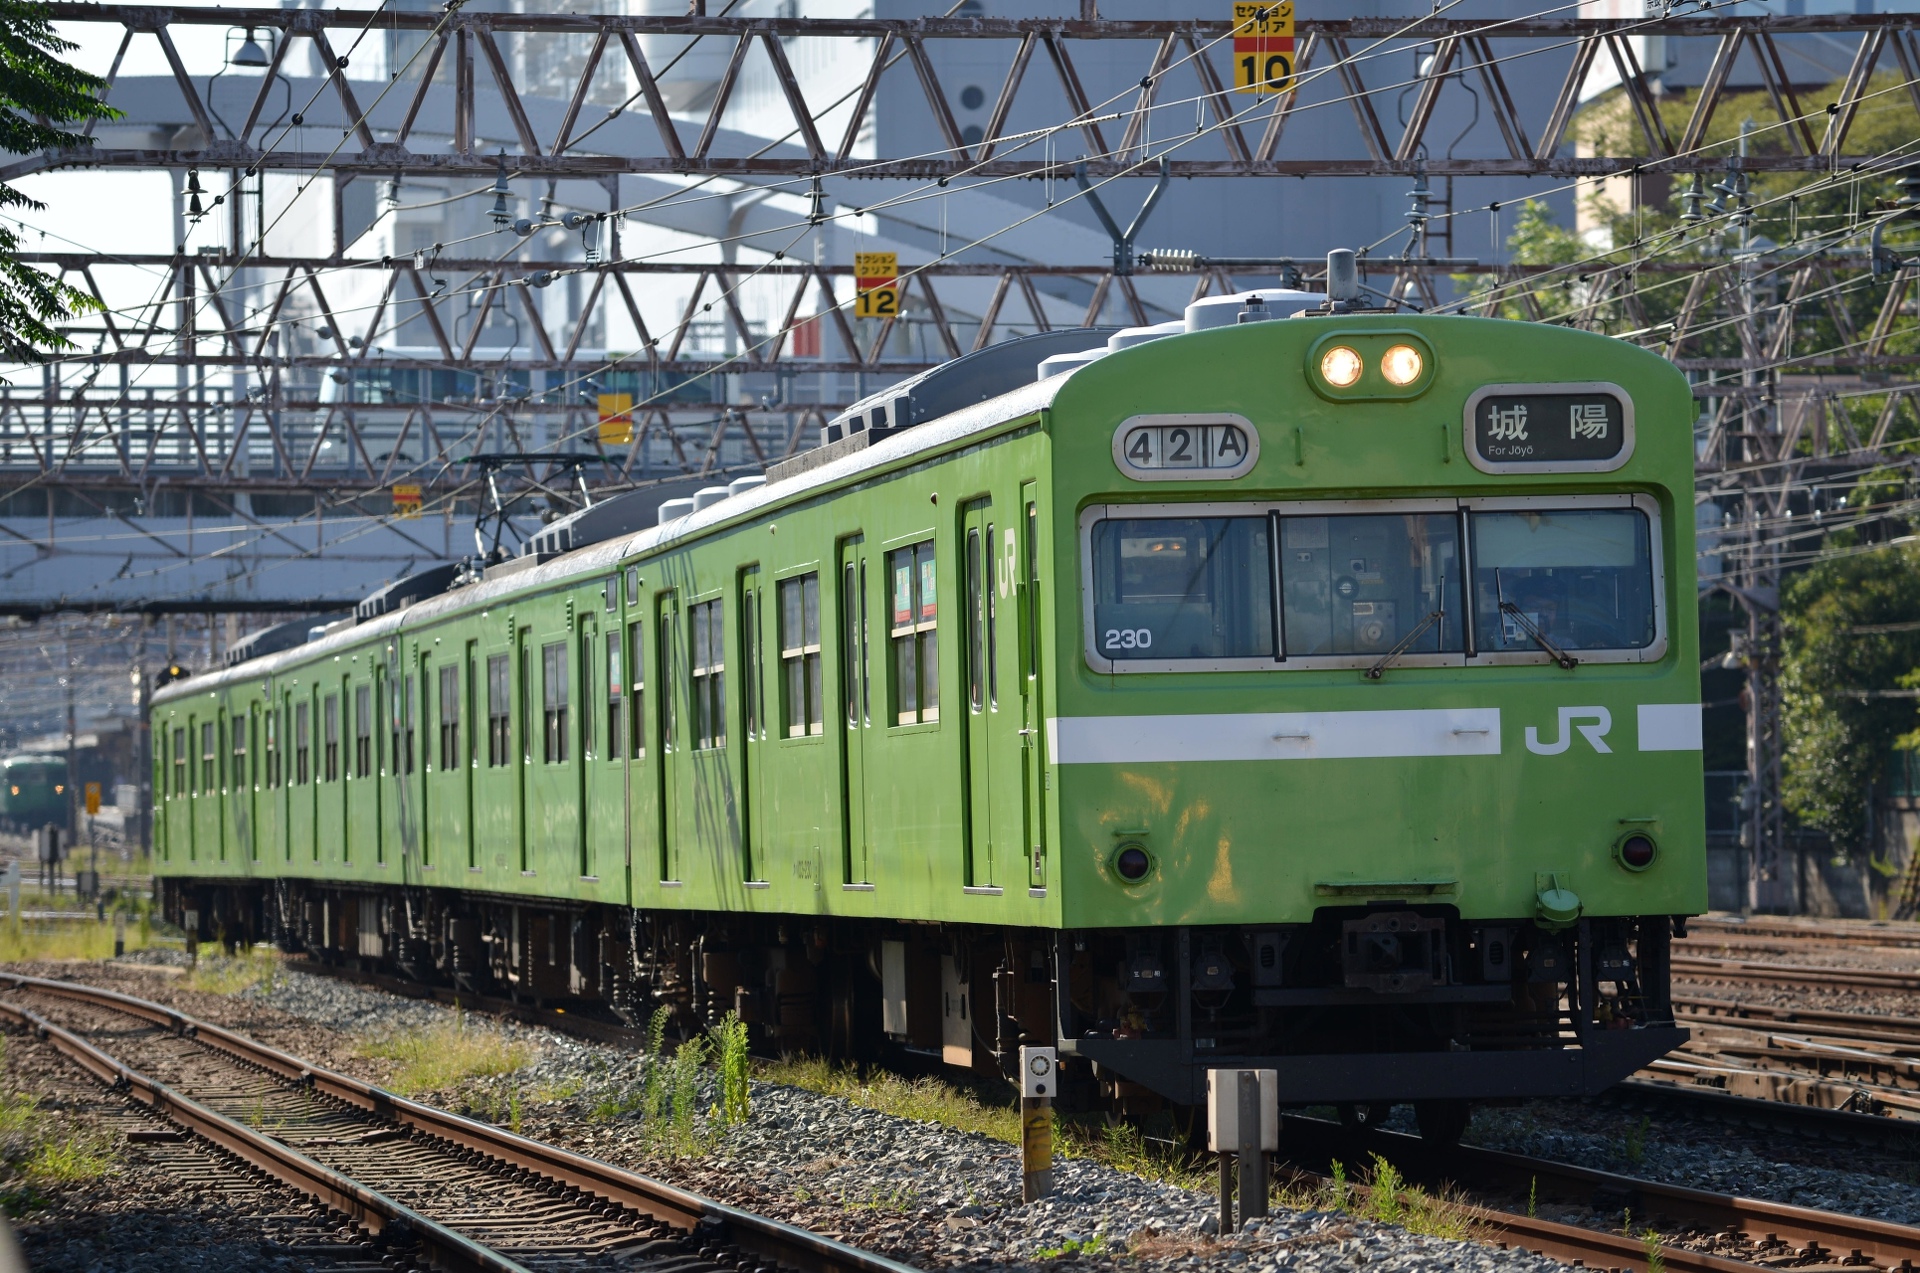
(1909, 188)
(1690, 211)
(1172, 260)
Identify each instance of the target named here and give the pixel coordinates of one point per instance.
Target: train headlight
(1341, 367)
(1402, 365)
(1132, 863)
(1636, 851)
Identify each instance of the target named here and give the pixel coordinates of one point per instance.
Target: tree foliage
(38, 92)
(1837, 739)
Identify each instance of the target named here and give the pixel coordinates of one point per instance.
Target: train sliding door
(856, 699)
(1033, 724)
(996, 802)
(667, 763)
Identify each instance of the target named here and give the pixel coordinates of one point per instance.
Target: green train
(33, 792)
(1295, 685)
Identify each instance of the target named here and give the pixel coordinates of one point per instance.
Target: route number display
(1200, 447)
(616, 419)
(406, 502)
(1263, 47)
(876, 284)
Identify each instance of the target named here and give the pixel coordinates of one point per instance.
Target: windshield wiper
(1532, 629)
(1405, 643)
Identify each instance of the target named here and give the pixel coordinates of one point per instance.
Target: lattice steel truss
(1177, 57)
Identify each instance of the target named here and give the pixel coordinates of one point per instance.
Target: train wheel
(1364, 1116)
(1442, 1122)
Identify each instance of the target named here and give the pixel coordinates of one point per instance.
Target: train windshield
(1289, 585)
(1183, 588)
(1367, 583)
(1581, 579)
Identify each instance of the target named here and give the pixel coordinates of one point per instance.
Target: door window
(913, 629)
(362, 731)
(553, 675)
(449, 717)
(803, 711)
(499, 712)
(709, 671)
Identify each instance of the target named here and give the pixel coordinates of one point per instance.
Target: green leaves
(38, 93)
(1838, 738)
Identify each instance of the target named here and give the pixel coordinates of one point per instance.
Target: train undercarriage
(1363, 1008)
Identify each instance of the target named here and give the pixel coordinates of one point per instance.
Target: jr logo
(1595, 732)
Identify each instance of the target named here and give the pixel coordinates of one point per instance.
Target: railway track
(434, 1188)
(1693, 968)
(1702, 1232)
(1708, 930)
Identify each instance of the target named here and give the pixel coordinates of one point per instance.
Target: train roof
(607, 555)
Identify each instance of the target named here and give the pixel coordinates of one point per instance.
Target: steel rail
(783, 1244)
(1809, 1230)
(368, 1208)
(1845, 1126)
(1814, 976)
(1705, 929)
(1765, 1018)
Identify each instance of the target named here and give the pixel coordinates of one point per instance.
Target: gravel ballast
(920, 1192)
(939, 1198)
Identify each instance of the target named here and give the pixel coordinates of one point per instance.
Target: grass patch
(447, 1054)
(67, 1160)
(86, 938)
(925, 1100)
(1125, 1147)
(1382, 1194)
(217, 974)
(1074, 1246)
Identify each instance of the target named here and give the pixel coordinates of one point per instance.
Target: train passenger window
(499, 712)
(637, 653)
(611, 590)
(616, 702)
(1182, 588)
(302, 748)
(804, 711)
(330, 737)
(633, 585)
(450, 718)
(553, 669)
(209, 758)
(179, 762)
(237, 776)
(913, 626)
(363, 731)
(406, 723)
(1364, 583)
(1575, 579)
(709, 690)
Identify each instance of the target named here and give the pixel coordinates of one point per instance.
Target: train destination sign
(1549, 428)
(1189, 447)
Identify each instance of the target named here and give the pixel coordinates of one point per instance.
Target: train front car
(1377, 710)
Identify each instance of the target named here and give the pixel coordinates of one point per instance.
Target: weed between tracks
(1382, 1194)
(221, 975)
(1121, 1146)
(38, 1151)
(447, 1054)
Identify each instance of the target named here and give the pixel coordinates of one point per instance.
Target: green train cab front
(1378, 686)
